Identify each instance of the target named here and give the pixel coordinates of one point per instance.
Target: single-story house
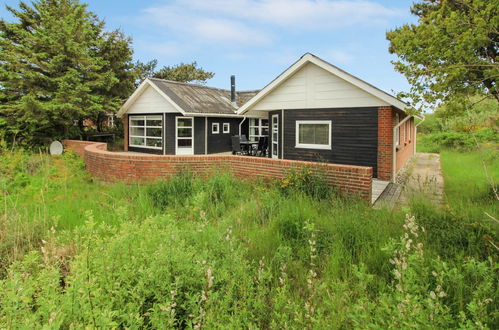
(313, 111)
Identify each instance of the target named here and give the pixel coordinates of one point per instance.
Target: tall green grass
(221, 252)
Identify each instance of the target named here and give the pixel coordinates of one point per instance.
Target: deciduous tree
(452, 50)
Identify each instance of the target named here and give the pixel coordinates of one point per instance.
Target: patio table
(248, 145)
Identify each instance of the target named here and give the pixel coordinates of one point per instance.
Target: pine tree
(58, 66)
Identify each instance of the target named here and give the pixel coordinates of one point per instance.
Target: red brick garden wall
(129, 167)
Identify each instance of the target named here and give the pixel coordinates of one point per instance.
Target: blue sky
(257, 39)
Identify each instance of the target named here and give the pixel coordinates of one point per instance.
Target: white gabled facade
(313, 83)
(314, 87)
(150, 101)
(148, 98)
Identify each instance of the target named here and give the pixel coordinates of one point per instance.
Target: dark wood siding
(221, 142)
(199, 134)
(279, 151)
(170, 132)
(354, 136)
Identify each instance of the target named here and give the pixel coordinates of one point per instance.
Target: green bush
(305, 180)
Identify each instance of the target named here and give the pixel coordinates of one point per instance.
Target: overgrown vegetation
(191, 252)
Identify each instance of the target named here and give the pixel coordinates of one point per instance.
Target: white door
(275, 136)
(185, 136)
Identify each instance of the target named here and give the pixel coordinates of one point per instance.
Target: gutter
(241, 124)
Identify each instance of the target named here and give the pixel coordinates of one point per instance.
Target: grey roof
(202, 99)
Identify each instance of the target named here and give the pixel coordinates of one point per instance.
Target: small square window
(226, 128)
(313, 134)
(215, 128)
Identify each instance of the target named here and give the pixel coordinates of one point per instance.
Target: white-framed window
(215, 128)
(313, 134)
(226, 128)
(258, 128)
(397, 130)
(145, 132)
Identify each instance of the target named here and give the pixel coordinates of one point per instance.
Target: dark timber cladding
(221, 142)
(354, 136)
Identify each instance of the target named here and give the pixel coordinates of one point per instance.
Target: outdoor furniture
(248, 146)
(236, 145)
(263, 144)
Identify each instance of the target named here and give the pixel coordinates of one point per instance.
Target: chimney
(233, 89)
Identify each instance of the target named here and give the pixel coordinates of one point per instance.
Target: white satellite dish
(56, 148)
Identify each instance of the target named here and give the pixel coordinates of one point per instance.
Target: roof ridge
(199, 85)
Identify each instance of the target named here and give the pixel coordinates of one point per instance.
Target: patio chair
(261, 150)
(236, 145)
(244, 138)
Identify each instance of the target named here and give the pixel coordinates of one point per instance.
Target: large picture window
(313, 134)
(258, 128)
(146, 132)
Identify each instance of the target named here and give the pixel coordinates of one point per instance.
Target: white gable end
(150, 101)
(314, 87)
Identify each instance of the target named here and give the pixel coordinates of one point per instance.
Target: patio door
(275, 136)
(184, 136)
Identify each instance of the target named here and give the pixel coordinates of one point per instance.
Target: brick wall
(405, 149)
(385, 143)
(129, 167)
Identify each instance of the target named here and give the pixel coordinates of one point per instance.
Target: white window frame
(226, 128)
(257, 123)
(213, 130)
(145, 127)
(313, 146)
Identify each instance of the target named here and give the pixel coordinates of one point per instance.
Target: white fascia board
(309, 58)
(139, 92)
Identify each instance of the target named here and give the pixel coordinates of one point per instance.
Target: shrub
(311, 182)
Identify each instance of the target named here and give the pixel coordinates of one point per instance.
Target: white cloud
(253, 22)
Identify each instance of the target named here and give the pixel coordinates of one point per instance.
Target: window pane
(154, 132)
(215, 128)
(154, 142)
(321, 134)
(137, 121)
(137, 141)
(184, 132)
(313, 134)
(265, 131)
(137, 131)
(181, 122)
(253, 122)
(154, 121)
(265, 122)
(184, 143)
(306, 132)
(254, 131)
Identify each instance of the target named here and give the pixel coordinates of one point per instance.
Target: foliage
(452, 50)
(58, 65)
(174, 191)
(183, 72)
(195, 252)
(309, 181)
(457, 140)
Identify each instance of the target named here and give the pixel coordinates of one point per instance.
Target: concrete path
(425, 178)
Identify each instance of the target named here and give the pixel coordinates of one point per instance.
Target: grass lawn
(467, 188)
